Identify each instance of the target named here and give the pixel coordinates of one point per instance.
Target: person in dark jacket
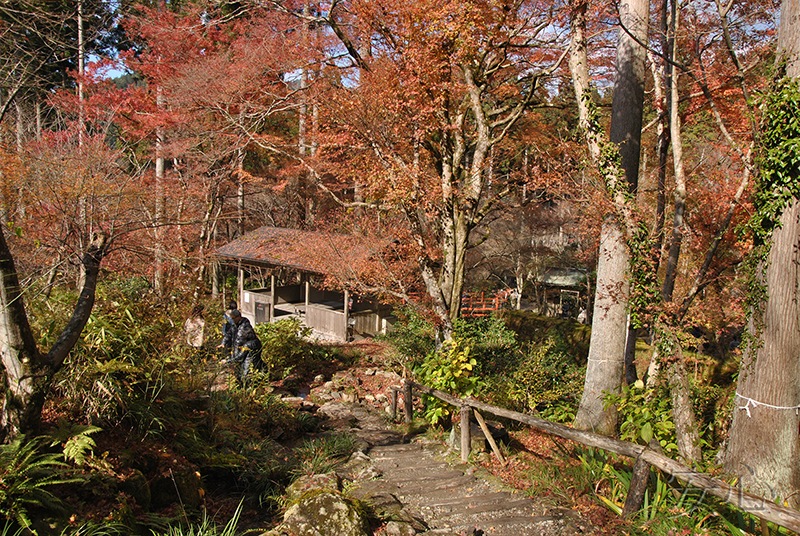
(243, 344)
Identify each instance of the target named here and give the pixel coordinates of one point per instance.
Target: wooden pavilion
(311, 256)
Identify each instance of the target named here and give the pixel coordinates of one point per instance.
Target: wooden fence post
(408, 404)
(489, 437)
(394, 404)
(466, 440)
(639, 479)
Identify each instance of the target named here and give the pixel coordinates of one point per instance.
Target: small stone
(389, 374)
(380, 397)
(319, 378)
(396, 528)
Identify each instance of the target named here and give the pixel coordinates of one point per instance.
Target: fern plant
(75, 440)
(26, 474)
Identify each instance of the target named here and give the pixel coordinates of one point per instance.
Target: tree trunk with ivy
(764, 447)
(604, 372)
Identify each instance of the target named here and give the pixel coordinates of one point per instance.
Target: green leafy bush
(413, 335)
(644, 415)
(449, 369)
(570, 337)
(285, 346)
(543, 379)
(493, 345)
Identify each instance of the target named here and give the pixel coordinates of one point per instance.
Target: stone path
(442, 497)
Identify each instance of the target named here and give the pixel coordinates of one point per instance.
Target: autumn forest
(473, 146)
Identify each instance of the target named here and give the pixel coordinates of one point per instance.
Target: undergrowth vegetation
(536, 365)
(157, 411)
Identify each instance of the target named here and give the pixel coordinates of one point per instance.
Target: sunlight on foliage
(448, 369)
(644, 415)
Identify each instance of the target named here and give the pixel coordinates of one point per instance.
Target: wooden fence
(644, 456)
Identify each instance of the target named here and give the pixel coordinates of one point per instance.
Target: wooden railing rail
(747, 502)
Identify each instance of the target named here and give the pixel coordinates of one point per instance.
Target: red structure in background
(474, 304)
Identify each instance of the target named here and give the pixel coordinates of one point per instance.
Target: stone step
(400, 456)
(479, 507)
(422, 474)
(452, 498)
(395, 466)
(504, 526)
(474, 513)
(380, 450)
(496, 496)
(457, 482)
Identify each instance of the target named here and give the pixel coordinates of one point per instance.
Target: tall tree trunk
(27, 374)
(604, 370)
(679, 193)
(687, 430)
(158, 264)
(662, 79)
(764, 447)
(609, 320)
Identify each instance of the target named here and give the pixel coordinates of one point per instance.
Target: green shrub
(284, 346)
(493, 345)
(413, 335)
(545, 380)
(570, 337)
(449, 369)
(644, 414)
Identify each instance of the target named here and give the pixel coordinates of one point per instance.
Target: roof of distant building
(563, 277)
(311, 252)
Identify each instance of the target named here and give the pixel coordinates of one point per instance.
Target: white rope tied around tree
(756, 403)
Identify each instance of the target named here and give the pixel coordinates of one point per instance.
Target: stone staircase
(456, 499)
(442, 496)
